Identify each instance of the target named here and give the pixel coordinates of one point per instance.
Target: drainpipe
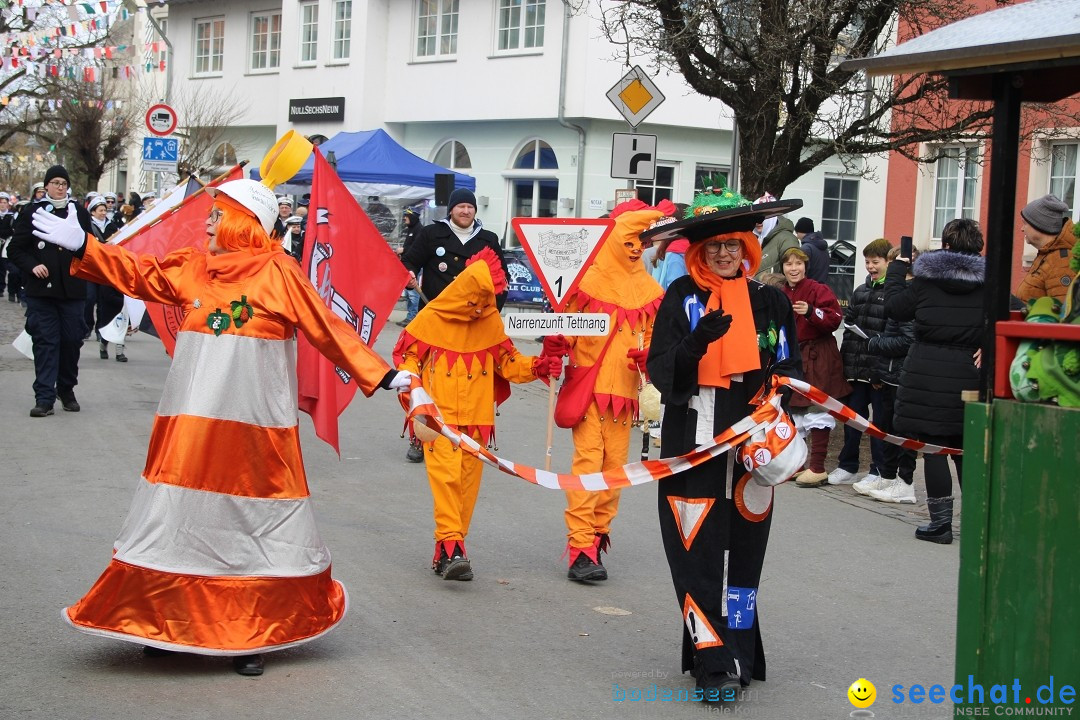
(562, 110)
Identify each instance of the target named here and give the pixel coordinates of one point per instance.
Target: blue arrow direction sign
(160, 154)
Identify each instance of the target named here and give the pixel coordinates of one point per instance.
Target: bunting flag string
(421, 410)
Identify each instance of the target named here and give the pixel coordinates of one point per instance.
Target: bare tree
(90, 129)
(205, 115)
(25, 84)
(776, 65)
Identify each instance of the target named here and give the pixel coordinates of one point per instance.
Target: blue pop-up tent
(370, 162)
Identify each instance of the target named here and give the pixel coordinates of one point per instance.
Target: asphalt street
(847, 591)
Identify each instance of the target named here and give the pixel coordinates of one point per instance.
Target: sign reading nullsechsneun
(316, 109)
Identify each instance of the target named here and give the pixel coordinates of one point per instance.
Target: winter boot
(120, 356)
(103, 349)
(585, 565)
(940, 528)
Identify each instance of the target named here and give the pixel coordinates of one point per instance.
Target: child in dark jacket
(890, 348)
(865, 313)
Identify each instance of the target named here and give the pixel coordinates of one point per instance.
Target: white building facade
(476, 86)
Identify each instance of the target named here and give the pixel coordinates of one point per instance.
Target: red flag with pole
(357, 275)
(183, 227)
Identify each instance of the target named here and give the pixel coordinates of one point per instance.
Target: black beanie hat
(805, 225)
(461, 195)
(57, 171)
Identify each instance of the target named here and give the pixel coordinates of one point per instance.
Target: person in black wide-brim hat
(719, 335)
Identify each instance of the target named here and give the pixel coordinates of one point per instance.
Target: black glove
(712, 326)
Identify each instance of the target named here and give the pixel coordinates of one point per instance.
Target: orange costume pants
(598, 445)
(454, 477)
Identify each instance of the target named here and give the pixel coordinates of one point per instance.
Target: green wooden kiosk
(1018, 604)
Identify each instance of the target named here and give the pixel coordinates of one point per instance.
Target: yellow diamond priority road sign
(635, 96)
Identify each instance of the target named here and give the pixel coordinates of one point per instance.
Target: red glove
(556, 345)
(638, 358)
(548, 366)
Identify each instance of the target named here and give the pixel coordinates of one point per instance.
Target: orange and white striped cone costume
(219, 554)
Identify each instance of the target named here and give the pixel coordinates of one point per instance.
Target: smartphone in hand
(906, 246)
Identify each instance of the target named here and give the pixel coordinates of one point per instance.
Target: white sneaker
(897, 491)
(839, 476)
(870, 482)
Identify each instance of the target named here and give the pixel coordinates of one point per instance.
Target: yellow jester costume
(617, 284)
(457, 346)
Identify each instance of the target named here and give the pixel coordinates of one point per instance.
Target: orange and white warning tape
(846, 415)
(422, 411)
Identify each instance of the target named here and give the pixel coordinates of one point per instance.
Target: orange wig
(239, 229)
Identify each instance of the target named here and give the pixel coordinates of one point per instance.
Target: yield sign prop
(561, 249)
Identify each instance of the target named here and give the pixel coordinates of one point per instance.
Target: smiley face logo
(862, 693)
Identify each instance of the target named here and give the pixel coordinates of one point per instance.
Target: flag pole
(184, 202)
(550, 421)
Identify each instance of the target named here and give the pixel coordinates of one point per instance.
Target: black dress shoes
(250, 665)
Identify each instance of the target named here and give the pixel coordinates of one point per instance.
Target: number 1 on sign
(558, 285)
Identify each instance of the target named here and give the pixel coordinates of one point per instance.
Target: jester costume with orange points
(617, 284)
(458, 347)
(219, 554)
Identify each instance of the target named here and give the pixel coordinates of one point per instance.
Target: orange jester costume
(458, 347)
(219, 554)
(618, 284)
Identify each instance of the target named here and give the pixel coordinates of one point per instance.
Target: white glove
(65, 232)
(402, 380)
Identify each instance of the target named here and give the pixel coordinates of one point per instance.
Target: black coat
(945, 299)
(441, 256)
(27, 252)
(815, 247)
(867, 310)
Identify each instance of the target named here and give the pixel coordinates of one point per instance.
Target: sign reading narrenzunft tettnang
(316, 109)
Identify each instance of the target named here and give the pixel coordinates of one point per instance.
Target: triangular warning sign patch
(560, 250)
(701, 631)
(689, 514)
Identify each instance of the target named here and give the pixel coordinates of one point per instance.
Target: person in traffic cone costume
(619, 284)
(219, 554)
(458, 347)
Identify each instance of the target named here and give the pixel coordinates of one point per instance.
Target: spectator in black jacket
(54, 299)
(890, 348)
(864, 317)
(410, 221)
(945, 299)
(441, 249)
(815, 247)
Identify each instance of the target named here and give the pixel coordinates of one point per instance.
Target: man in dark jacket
(54, 299)
(442, 248)
(410, 221)
(815, 247)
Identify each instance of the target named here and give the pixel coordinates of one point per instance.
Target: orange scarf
(737, 351)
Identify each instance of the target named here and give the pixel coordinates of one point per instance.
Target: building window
(453, 155)
(224, 155)
(436, 28)
(209, 45)
(1063, 175)
(955, 185)
(309, 32)
(839, 208)
(704, 174)
(342, 29)
(521, 24)
(265, 41)
(661, 188)
(536, 196)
